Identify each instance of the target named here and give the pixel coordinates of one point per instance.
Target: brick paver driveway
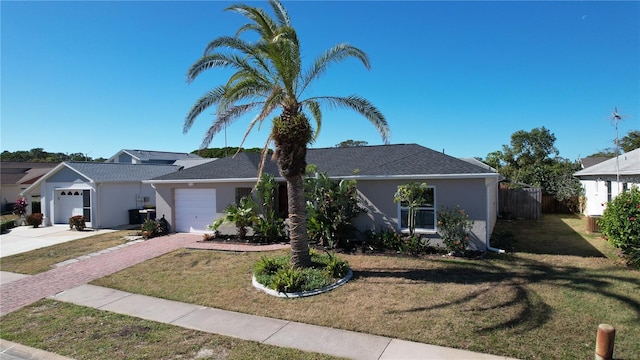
(26, 291)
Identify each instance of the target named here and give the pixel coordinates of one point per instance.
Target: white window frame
(427, 207)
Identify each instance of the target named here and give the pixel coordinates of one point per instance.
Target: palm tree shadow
(526, 307)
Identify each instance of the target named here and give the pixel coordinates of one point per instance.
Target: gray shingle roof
(590, 161)
(383, 160)
(627, 164)
(115, 172)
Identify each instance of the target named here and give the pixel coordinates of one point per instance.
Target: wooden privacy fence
(523, 203)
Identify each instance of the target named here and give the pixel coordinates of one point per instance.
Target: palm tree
(268, 77)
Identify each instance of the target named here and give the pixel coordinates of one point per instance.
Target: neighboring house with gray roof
(102, 192)
(16, 176)
(129, 156)
(603, 181)
(191, 199)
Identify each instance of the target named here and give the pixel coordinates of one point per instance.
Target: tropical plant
(20, 207)
(331, 205)
(454, 227)
(269, 77)
(279, 274)
(411, 195)
(620, 224)
(242, 215)
(268, 223)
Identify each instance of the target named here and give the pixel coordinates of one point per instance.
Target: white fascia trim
(350, 177)
(203, 181)
(50, 173)
(417, 176)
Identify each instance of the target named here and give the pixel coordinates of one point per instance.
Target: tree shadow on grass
(514, 279)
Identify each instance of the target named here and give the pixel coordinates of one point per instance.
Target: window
(242, 192)
(425, 214)
(608, 183)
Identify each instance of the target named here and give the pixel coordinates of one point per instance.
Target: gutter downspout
(488, 233)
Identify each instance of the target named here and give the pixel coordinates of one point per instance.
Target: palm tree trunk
(298, 222)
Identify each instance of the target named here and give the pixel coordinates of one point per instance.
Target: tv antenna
(616, 117)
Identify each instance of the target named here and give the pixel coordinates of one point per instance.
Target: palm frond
(281, 13)
(223, 119)
(212, 97)
(335, 54)
(228, 42)
(264, 25)
(316, 113)
(363, 107)
(205, 63)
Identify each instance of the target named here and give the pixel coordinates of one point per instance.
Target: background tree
(39, 155)
(269, 77)
(223, 152)
(631, 141)
(352, 143)
(532, 158)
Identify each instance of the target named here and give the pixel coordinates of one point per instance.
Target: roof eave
(350, 177)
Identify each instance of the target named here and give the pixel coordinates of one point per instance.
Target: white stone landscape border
(272, 292)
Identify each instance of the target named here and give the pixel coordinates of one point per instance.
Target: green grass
(542, 301)
(41, 260)
(85, 333)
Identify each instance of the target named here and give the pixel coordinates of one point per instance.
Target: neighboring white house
(603, 181)
(102, 192)
(105, 193)
(191, 199)
(131, 156)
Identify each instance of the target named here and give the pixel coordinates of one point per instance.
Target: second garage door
(195, 209)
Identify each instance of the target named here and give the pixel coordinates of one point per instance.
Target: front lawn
(544, 302)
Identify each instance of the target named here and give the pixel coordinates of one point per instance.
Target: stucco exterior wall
(225, 195)
(112, 202)
(596, 194)
(377, 197)
(470, 194)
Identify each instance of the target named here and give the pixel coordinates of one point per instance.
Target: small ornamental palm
(269, 77)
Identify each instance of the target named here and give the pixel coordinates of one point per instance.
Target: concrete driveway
(26, 238)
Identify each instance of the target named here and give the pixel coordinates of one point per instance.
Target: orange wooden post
(604, 342)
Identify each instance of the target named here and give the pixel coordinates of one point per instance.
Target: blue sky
(98, 77)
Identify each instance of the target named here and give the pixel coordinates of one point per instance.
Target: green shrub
(620, 224)
(6, 225)
(287, 280)
(34, 219)
(268, 224)
(78, 222)
(243, 215)
(270, 265)
(454, 227)
(331, 206)
(150, 228)
(278, 274)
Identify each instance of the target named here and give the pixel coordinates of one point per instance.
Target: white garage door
(195, 209)
(68, 204)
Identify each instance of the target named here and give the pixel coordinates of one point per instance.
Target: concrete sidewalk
(269, 331)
